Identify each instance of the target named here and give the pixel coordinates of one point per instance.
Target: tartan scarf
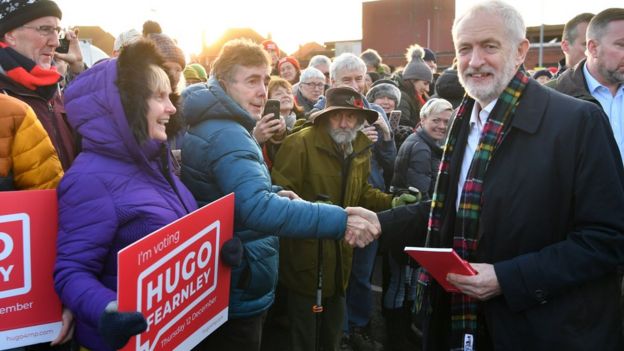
(465, 239)
(27, 73)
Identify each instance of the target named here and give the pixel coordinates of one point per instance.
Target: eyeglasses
(46, 30)
(315, 85)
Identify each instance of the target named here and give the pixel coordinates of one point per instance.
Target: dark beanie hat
(542, 72)
(15, 13)
(429, 55)
(168, 49)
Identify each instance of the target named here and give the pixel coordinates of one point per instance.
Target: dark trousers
(303, 322)
(242, 334)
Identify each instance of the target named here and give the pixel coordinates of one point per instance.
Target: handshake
(362, 227)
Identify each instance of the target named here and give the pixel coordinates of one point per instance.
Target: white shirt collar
(482, 114)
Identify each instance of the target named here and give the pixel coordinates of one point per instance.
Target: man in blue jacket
(220, 156)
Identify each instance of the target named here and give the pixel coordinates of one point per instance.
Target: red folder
(439, 262)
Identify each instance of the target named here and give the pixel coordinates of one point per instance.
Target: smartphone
(395, 118)
(63, 48)
(272, 106)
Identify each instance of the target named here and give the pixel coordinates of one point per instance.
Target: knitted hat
(168, 48)
(15, 13)
(344, 98)
(288, 59)
(270, 45)
(542, 72)
(126, 38)
(416, 68)
(429, 55)
(195, 71)
(384, 90)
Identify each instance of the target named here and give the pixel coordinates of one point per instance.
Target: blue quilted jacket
(220, 156)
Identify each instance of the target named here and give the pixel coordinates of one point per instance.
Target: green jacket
(309, 164)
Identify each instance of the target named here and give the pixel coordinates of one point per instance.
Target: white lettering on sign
(7, 248)
(7, 245)
(186, 267)
(175, 285)
(6, 273)
(15, 263)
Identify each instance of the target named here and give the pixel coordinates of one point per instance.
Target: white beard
(483, 92)
(344, 139)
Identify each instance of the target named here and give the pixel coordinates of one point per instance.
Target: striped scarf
(27, 73)
(465, 236)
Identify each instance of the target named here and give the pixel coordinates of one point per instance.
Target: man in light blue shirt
(600, 78)
(604, 70)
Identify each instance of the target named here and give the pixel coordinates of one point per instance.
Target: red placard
(30, 310)
(175, 278)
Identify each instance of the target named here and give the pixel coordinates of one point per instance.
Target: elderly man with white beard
(530, 192)
(329, 161)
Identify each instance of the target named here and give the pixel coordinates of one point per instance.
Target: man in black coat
(549, 226)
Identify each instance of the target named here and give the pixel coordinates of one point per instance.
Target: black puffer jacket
(417, 163)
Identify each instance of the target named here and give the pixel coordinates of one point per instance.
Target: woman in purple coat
(119, 189)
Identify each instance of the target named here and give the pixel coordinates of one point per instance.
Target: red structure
(390, 26)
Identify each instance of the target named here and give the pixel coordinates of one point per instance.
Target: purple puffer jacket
(114, 194)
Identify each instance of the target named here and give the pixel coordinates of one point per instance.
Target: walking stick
(317, 309)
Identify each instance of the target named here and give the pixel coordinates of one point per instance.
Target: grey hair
(598, 25)
(319, 60)
(310, 73)
(434, 106)
(371, 58)
(514, 23)
(346, 62)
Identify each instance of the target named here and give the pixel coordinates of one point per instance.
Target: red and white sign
(30, 310)
(175, 278)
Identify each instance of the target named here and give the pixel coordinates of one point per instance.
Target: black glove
(116, 328)
(232, 252)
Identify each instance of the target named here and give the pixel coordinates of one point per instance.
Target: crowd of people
(520, 173)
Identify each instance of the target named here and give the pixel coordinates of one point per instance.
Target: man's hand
(383, 126)
(482, 286)
(73, 57)
(67, 328)
(268, 127)
(371, 133)
(362, 227)
(289, 194)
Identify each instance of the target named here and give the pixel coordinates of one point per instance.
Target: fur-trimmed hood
(93, 102)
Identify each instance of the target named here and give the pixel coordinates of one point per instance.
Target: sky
(289, 23)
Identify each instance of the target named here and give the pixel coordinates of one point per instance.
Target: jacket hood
(94, 109)
(209, 101)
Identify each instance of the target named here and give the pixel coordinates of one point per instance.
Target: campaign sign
(175, 279)
(30, 310)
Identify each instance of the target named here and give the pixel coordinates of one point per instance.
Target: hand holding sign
(118, 327)
(232, 252)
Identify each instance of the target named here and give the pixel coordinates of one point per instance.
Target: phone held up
(272, 106)
(63, 47)
(395, 118)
